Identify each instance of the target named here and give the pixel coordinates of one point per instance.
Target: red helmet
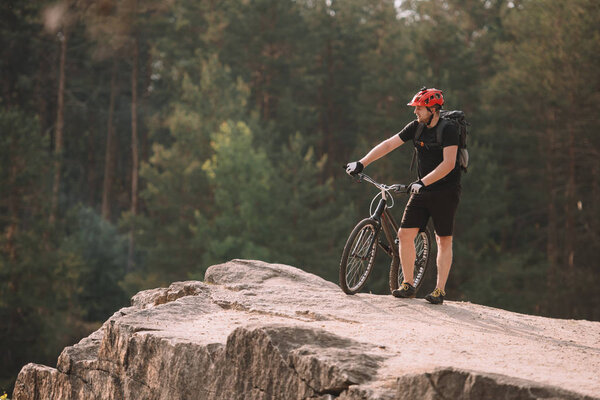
(427, 98)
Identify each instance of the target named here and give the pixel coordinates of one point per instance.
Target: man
(435, 194)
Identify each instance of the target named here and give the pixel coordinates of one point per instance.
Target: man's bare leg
(444, 260)
(407, 252)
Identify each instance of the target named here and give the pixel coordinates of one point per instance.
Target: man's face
(422, 114)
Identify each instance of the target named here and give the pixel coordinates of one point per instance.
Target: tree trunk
(144, 142)
(134, 152)
(570, 203)
(91, 167)
(13, 203)
(332, 148)
(549, 138)
(109, 157)
(58, 146)
(595, 220)
(326, 116)
(39, 93)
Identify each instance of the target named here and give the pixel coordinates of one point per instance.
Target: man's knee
(407, 235)
(444, 241)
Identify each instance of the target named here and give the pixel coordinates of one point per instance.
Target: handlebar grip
(398, 188)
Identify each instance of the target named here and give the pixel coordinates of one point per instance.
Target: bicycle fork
(385, 221)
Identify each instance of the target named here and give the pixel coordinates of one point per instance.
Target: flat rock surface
(258, 330)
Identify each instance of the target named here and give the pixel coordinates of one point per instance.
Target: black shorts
(440, 205)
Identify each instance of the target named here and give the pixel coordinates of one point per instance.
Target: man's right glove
(354, 168)
(416, 187)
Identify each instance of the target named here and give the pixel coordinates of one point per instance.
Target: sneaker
(436, 297)
(406, 290)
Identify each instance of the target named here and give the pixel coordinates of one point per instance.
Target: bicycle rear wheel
(358, 256)
(424, 249)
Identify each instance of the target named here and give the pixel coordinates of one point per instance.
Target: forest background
(142, 141)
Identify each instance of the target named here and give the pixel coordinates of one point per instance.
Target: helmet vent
(427, 97)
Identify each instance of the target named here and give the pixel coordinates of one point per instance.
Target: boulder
(254, 330)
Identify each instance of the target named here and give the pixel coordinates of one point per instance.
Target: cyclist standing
(435, 194)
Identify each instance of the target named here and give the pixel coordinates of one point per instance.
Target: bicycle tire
(423, 261)
(360, 248)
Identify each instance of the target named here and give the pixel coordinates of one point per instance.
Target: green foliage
(53, 284)
(39, 300)
(103, 255)
(311, 221)
(547, 84)
(176, 192)
(273, 208)
(22, 165)
(240, 176)
(247, 110)
(37, 284)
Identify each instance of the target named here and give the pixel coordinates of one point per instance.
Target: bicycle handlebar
(397, 187)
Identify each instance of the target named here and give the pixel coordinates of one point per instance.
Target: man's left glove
(354, 168)
(416, 187)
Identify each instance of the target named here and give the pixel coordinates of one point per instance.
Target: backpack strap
(438, 137)
(418, 133)
(440, 130)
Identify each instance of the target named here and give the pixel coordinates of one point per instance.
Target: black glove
(354, 168)
(416, 187)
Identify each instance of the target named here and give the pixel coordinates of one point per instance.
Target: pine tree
(38, 283)
(311, 220)
(176, 189)
(241, 178)
(546, 84)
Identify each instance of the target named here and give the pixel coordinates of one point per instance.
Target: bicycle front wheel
(424, 250)
(358, 256)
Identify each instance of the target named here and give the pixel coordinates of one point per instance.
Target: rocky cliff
(254, 330)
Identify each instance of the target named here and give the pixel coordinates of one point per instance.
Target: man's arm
(445, 167)
(382, 149)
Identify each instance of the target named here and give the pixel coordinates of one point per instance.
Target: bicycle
(363, 242)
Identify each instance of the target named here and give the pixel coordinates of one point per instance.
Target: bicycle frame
(390, 227)
(381, 219)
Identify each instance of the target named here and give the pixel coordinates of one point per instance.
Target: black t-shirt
(429, 159)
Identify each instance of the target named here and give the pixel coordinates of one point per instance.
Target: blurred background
(142, 141)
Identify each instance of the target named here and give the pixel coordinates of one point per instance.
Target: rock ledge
(254, 330)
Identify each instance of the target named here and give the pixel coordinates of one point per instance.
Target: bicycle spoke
(363, 252)
(363, 244)
(360, 235)
(421, 248)
(355, 269)
(361, 247)
(359, 256)
(354, 276)
(351, 277)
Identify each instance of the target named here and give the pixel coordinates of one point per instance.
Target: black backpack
(446, 117)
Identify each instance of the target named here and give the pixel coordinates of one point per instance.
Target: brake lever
(357, 178)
